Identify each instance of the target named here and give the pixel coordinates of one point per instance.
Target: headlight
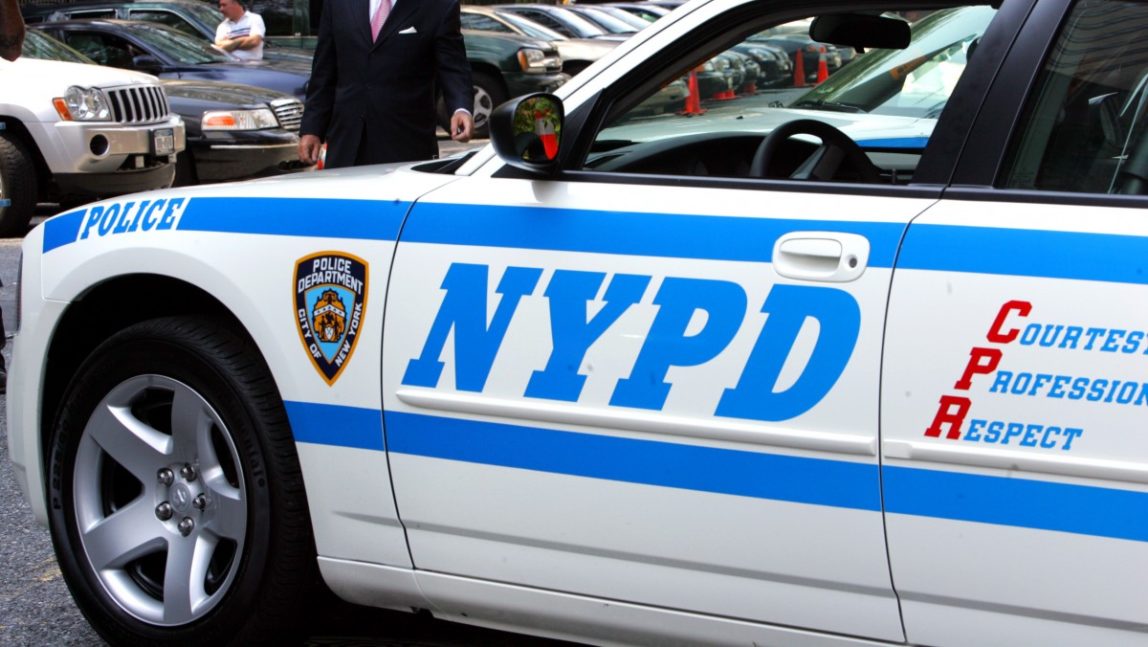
(536, 60)
(258, 119)
(83, 104)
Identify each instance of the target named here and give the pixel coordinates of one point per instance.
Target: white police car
(701, 385)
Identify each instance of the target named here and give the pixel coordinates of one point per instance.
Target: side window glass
(1085, 126)
(164, 18)
(778, 104)
(483, 23)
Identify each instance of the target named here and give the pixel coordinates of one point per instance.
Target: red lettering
(996, 333)
(951, 412)
(991, 357)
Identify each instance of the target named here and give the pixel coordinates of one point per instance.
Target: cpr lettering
(720, 306)
(983, 360)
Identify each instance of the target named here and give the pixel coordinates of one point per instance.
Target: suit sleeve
(324, 77)
(453, 66)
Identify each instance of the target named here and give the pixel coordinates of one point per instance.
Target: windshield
(40, 45)
(582, 27)
(913, 82)
(176, 45)
(531, 28)
(205, 15)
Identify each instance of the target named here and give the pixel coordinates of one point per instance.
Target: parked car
(71, 133)
(171, 54)
(233, 131)
(562, 20)
(193, 17)
(774, 63)
(645, 10)
(741, 378)
(576, 53)
(812, 52)
(624, 25)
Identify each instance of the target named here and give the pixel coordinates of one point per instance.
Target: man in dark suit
(372, 100)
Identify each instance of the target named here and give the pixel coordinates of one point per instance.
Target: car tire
(177, 506)
(488, 95)
(18, 189)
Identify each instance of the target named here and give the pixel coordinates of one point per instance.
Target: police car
(622, 378)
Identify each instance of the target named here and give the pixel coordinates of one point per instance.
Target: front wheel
(177, 505)
(488, 95)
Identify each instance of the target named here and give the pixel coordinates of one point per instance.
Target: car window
(531, 28)
(40, 45)
(483, 23)
(104, 49)
(164, 18)
(184, 49)
(712, 117)
(1084, 126)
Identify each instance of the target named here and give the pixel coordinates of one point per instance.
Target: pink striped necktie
(379, 18)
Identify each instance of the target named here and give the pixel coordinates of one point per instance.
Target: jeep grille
(138, 104)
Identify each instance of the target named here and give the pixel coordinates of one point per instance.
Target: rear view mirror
(527, 132)
(860, 31)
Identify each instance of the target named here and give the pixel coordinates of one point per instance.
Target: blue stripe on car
(1008, 501)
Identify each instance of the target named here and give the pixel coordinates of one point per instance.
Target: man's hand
(461, 126)
(309, 147)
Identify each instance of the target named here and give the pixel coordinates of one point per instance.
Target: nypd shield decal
(330, 301)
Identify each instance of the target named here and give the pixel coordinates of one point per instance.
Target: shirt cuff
(463, 110)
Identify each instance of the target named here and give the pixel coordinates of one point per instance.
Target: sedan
(171, 54)
(869, 370)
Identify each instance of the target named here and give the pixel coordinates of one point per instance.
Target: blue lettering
(1030, 432)
(994, 432)
(1013, 430)
(122, 222)
(788, 306)
(572, 335)
(146, 220)
(974, 432)
(1046, 442)
(93, 217)
(1001, 382)
(169, 215)
(108, 219)
(1071, 434)
(667, 343)
(464, 309)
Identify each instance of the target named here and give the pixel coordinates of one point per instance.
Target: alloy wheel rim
(160, 500)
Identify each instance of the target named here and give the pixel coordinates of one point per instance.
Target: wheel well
(492, 72)
(44, 183)
(110, 307)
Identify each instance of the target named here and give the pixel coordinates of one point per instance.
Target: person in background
(241, 31)
(11, 31)
(11, 42)
(377, 63)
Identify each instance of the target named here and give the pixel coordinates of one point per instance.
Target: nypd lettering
(116, 218)
(330, 301)
(673, 341)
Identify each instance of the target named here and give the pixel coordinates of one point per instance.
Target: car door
(652, 381)
(1015, 459)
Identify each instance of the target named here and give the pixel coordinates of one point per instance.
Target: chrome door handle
(821, 256)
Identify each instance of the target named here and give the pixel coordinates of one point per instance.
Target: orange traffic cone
(822, 67)
(694, 100)
(750, 89)
(799, 69)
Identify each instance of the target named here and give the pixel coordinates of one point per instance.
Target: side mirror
(146, 63)
(861, 31)
(527, 132)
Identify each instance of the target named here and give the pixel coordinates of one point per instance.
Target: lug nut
(165, 476)
(186, 525)
(188, 472)
(164, 511)
(200, 502)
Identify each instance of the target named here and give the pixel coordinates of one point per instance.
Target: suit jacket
(374, 102)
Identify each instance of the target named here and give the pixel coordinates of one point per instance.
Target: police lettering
(674, 340)
(121, 218)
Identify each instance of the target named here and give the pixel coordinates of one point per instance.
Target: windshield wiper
(822, 104)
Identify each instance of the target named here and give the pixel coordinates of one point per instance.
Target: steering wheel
(838, 156)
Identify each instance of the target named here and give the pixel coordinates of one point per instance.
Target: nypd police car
(869, 373)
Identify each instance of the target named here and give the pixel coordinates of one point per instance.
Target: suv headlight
(257, 119)
(83, 104)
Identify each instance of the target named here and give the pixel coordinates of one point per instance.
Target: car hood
(865, 129)
(31, 74)
(282, 65)
(220, 94)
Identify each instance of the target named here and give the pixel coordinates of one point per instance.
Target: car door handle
(821, 256)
